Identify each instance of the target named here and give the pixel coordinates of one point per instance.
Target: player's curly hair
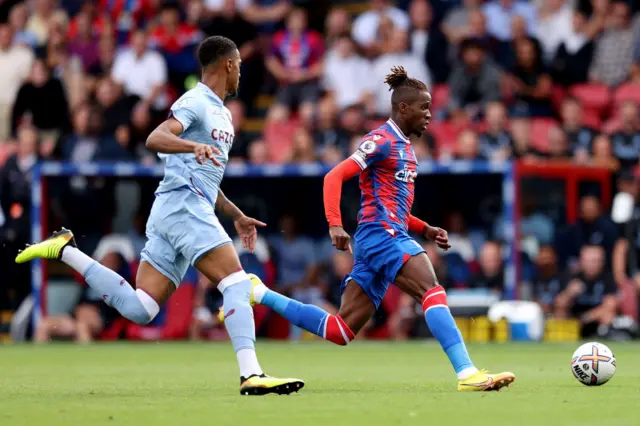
(399, 78)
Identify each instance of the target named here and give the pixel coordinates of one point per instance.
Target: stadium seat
(594, 97)
(626, 92)
(439, 97)
(279, 138)
(445, 134)
(558, 93)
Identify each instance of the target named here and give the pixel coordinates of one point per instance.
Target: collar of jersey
(397, 130)
(215, 98)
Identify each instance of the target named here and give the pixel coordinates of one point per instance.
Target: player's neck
(401, 125)
(216, 84)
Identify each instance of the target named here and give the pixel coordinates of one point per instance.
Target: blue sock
(308, 317)
(444, 328)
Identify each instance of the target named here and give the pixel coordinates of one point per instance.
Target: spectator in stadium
(327, 133)
(626, 141)
(602, 154)
(295, 256)
(176, 41)
(529, 81)
(258, 153)
(43, 14)
(141, 73)
(140, 127)
(558, 144)
(15, 66)
(626, 254)
(520, 128)
(547, 281)
(467, 147)
(344, 74)
(229, 22)
(505, 53)
(554, 26)
(396, 53)
(241, 138)
(106, 56)
(572, 60)
(266, 15)
(90, 316)
(427, 41)
(592, 228)
(366, 25)
(114, 108)
(496, 143)
(18, 21)
(474, 81)
(580, 136)
(490, 275)
(589, 294)
(477, 30)
(614, 50)
(500, 14)
(42, 103)
(337, 25)
(302, 149)
(84, 44)
(456, 25)
(15, 202)
(88, 141)
(296, 61)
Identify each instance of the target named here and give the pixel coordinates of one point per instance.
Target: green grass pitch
(185, 384)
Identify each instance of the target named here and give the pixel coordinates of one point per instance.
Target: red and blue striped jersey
(389, 169)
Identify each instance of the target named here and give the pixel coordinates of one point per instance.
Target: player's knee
(337, 331)
(142, 309)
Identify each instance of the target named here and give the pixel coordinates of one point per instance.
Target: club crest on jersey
(406, 175)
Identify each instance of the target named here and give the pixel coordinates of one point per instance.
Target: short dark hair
(213, 48)
(402, 85)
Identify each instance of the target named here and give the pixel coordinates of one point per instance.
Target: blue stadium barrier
(238, 171)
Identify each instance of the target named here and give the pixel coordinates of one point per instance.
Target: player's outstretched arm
(332, 193)
(245, 226)
(164, 139)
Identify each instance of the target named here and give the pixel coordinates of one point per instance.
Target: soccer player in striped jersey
(384, 251)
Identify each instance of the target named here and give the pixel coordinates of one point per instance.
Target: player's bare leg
(222, 267)
(418, 279)
(139, 305)
(355, 310)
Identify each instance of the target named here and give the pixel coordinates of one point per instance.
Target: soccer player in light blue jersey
(183, 229)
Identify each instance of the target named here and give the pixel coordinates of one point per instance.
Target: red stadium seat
(439, 97)
(558, 93)
(445, 134)
(594, 97)
(540, 133)
(626, 92)
(611, 126)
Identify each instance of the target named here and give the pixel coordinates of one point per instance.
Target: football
(593, 364)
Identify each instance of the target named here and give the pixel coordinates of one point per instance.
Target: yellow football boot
(262, 385)
(51, 248)
(255, 280)
(483, 381)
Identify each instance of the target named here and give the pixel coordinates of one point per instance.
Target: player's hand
(340, 239)
(439, 236)
(204, 152)
(246, 228)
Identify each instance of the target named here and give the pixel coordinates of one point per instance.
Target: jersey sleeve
(372, 149)
(186, 111)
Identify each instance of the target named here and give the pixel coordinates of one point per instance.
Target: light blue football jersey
(206, 120)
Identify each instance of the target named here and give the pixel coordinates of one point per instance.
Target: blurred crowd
(539, 80)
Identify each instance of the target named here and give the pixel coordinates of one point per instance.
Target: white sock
(248, 361)
(76, 259)
(259, 291)
(467, 372)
